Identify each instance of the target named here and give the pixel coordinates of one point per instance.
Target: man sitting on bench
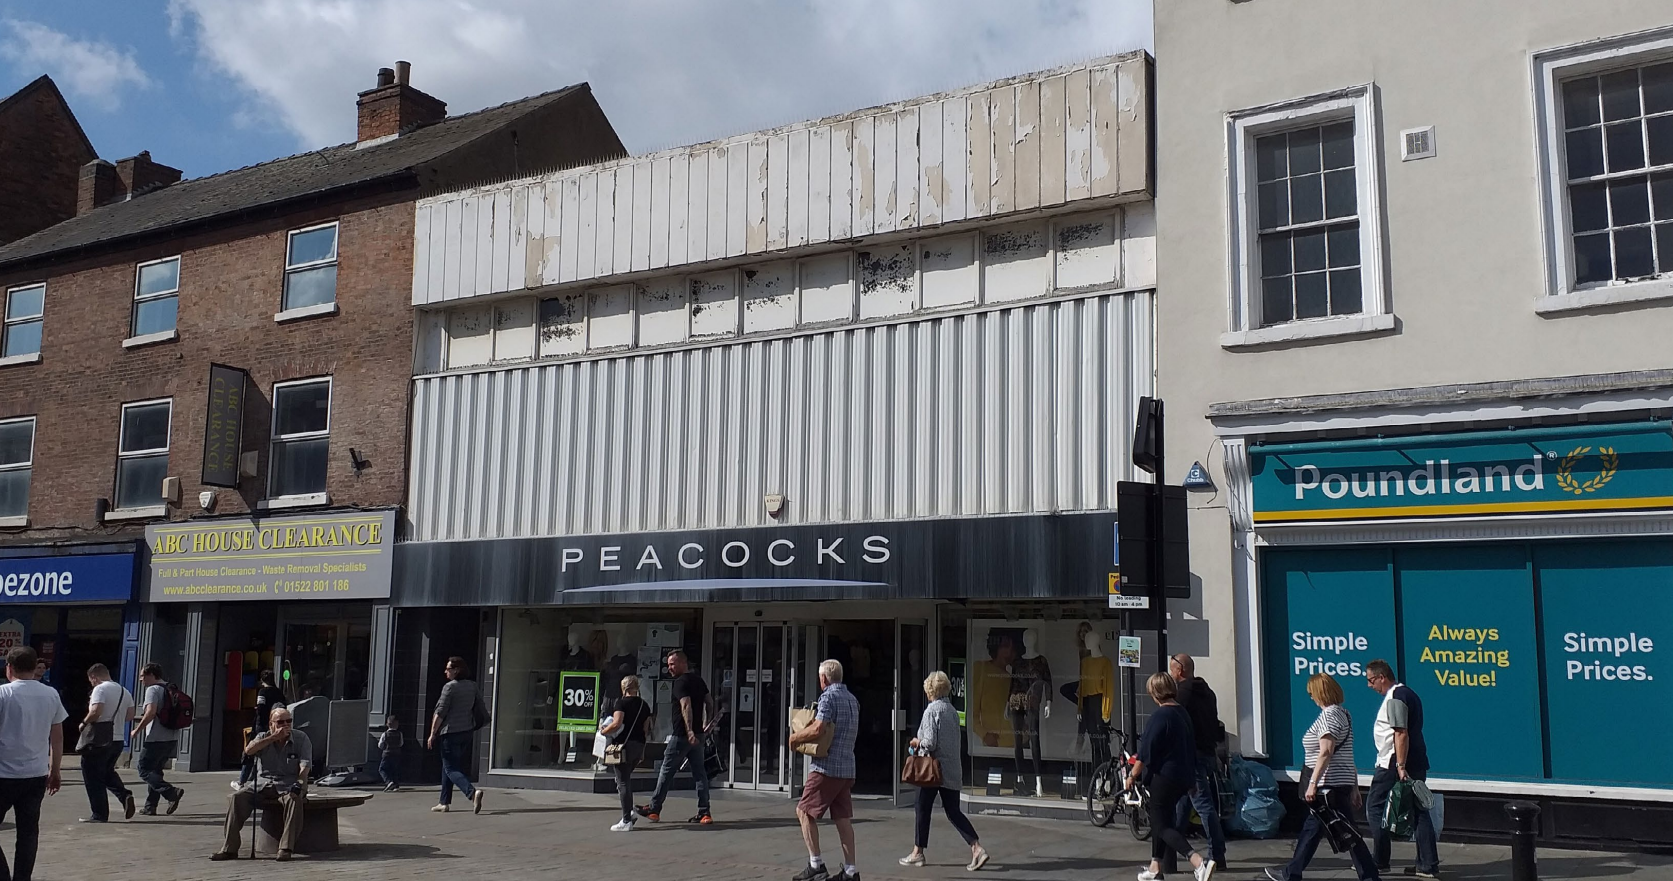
(283, 759)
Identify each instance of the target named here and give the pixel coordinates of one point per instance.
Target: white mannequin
(578, 637)
(1094, 643)
(1030, 651)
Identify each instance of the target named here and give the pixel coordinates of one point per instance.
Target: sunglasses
(282, 721)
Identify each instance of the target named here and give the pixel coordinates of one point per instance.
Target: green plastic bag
(1400, 816)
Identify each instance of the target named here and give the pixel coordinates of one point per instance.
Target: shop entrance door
(328, 658)
(751, 687)
(911, 668)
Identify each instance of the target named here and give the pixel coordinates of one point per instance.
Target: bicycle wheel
(1102, 795)
(1138, 816)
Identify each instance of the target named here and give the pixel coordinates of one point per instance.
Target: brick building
(295, 276)
(42, 150)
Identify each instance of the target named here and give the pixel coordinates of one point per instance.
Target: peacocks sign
(1572, 469)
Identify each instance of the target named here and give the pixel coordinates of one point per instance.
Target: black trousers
(98, 773)
(634, 751)
(949, 804)
(24, 796)
(1165, 837)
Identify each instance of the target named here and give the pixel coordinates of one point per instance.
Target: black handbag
(1338, 830)
(98, 735)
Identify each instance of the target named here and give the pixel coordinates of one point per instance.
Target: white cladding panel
(1035, 141)
(1019, 410)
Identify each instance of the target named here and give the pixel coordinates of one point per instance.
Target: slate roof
(272, 183)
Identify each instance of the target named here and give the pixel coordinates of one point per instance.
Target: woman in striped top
(1329, 772)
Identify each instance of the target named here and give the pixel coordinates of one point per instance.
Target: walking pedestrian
(31, 749)
(628, 726)
(389, 753)
(459, 712)
(939, 736)
(830, 780)
(1203, 707)
(110, 709)
(268, 698)
(694, 717)
(1401, 755)
(158, 743)
(284, 759)
(1167, 764)
(1328, 770)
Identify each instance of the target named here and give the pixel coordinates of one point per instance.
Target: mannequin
(621, 663)
(1030, 701)
(1097, 696)
(575, 657)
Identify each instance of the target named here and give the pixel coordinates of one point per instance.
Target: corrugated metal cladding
(1032, 142)
(1011, 411)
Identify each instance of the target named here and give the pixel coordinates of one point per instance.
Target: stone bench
(319, 822)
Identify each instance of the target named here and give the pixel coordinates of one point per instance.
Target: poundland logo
(1434, 478)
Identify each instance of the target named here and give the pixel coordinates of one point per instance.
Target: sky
(209, 85)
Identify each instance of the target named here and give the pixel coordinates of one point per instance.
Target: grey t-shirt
(281, 763)
(156, 732)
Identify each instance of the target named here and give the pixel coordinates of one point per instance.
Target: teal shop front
(1523, 641)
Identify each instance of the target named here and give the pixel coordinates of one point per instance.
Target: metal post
(1524, 864)
(1158, 549)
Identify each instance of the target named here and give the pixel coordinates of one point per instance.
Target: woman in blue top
(1168, 765)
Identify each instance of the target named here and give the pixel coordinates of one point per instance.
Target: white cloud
(666, 71)
(95, 72)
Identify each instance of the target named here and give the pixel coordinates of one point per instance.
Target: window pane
(317, 244)
(1274, 205)
(298, 467)
(25, 302)
(1664, 246)
(159, 277)
(299, 409)
(1626, 145)
(1275, 255)
(1580, 102)
(1658, 88)
(311, 287)
(1629, 201)
(1340, 198)
(139, 481)
(1344, 245)
(1311, 298)
(22, 339)
(1591, 258)
(1661, 140)
(1620, 95)
(145, 428)
(14, 492)
(1309, 251)
(155, 316)
(1345, 298)
(1307, 198)
(1270, 163)
(16, 438)
(1338, 143)
(1304, 152)
(1276, 307)
(1588, 206)
(1585, 153)
(1633, 256)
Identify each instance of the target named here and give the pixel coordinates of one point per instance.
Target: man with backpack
(167, 711)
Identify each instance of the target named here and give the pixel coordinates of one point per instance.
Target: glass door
(911, 668)
(752, 690)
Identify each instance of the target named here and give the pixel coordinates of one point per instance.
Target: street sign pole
(1158, 549)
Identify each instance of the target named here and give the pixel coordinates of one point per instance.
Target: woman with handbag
(936, 768)
(1168, 765)
(1331, 789)
(627, 728)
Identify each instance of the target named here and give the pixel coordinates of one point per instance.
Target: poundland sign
(1530, 471)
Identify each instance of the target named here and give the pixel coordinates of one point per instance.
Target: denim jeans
(386, 770)
(1205, 798)
(1382, 784)
(455, 758)
(1313, 832)
(98, 773)
(677, 750)
(153, 756)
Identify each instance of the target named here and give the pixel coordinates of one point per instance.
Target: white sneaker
(235, 785)
(622, 826)
(1146, 875)
(1204, 871)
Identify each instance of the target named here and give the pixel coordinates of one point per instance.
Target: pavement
(538, 834)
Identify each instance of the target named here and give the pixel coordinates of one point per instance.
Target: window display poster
(667, 635)
(955, 674)
(1467, 624)
(1128, 653)
(578, 710)
(1023, 684)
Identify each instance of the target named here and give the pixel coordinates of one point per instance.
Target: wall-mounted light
(361, 463)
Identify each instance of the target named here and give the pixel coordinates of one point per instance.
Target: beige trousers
(243, 803)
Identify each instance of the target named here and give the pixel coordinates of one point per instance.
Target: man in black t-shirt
(694, 713)
(1204, 709)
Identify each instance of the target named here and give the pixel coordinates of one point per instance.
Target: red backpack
(176, 710)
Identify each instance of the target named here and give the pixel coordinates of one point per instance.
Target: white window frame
(7, 323)
(1356, 103)
(274, 437)
(285, 311)
(28, 464)
(121, 454)
(134, 338)
(1550, 69)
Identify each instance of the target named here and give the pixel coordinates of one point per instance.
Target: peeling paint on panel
(1014, 264)
(819, 197)
(888, 280)
(563, 328)
(1026, 162)
(1087, 252)
(932, 184)
(1003, 170)
(1106, 117)
(949, 268)
(1051, 140)
(1077, 135)
(610, 317)
(1131, 134)
(865, 183)
(769, 297)
(663, 315)
(842, 180)
(980, 176)
(760, 175)
(714, 304)
(955, 157)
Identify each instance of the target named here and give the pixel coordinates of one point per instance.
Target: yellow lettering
(373, 531)
(317, 537)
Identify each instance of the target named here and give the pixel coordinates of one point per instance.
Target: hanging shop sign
(1572, 469)
(84, 578)
(223, 426)
(310, 556)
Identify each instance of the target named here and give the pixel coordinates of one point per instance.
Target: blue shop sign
(83, 578)
(1571, 469)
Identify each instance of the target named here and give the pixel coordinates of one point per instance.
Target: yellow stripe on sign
(1541, 507)
(219, 525)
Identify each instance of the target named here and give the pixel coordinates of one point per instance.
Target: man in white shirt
(31, 748)
(110, 709)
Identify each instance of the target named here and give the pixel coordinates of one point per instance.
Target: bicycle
(1107, 795)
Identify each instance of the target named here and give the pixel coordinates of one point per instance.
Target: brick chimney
(140, 175)
(394, 107)
(102, 183)
(97, 186)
